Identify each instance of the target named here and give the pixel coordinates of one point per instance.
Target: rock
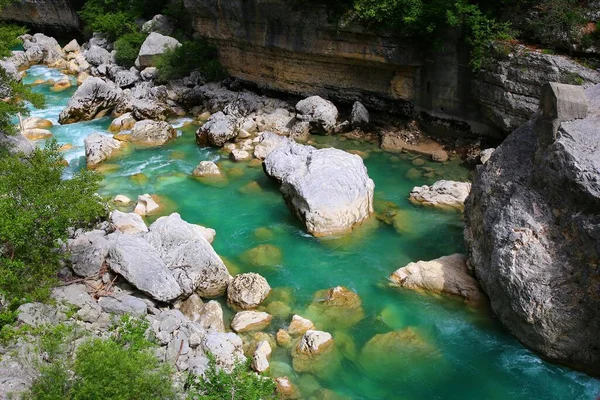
(206, 168)
(359, 118)
(37, 134)
(121, 200)
(217, 131)
(268, 142)
(140, 264)
(246, 321)
(189, 256)
(286, 389)
(532, 235)
(279, 121)
(152, 133)
(16, 144)
(314, 352)
(93, 99)
(239, 155)
(336, 307)
(123, 123)
(61, 84)
(39, 314)
(129, 223)
(11, 70)
(149, 109)
(72, 47)
(442, 194)
(36, 123)
(247, 291)
(159, 23)
(260, 360)
(299, 326)
(88, 253)
(320, 113)
(40, 48)
(263, 256)
(122, 304)
(149, 74)
(211, 317)
(485, 155)
(146, 205)
(226, 348)
(96, 56)
(394, 142)
(99, 148)
(75, 294)
(128, 78)
(315, 342)
(191, 307)
(329, 189)
(155, 45)
(448, 275)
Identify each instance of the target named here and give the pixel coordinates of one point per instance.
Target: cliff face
(54, 15)
(299, 51)
(533, 229)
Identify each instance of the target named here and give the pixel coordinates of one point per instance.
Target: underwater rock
(99, 147)
(129, 223)
(206, 168)
(93, 99)
(246, 321)
(320, 113)
(189, 256)
(442, 194)
(336, 307)
(247, 291)
(329, 189)
(283, 338)
(153, 133)
(286, 389)
(263, 256)
(448, 275)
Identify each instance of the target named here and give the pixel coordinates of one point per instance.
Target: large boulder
(532, 229)
(189, 256)
(320, 113)
(159, 23)
(442, 194)
(218, 130)
(448, 275)
(16, 144)
(96, 56)
(99, 147)
(247, 291)
(329, 189)
(155, 45)
(88, 253)
(94, 98)
(152, 133)
(40, 48)
(139, 263)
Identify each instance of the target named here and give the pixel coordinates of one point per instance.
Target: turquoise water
(452, 352)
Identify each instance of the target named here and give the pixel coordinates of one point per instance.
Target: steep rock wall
(54, 15)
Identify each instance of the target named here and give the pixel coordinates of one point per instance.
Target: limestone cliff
(533, 229)
(54, 15)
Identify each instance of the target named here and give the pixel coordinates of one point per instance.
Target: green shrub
(241, 384)
(191, 55)
(37, 207)
(557, 23)
(128, 47)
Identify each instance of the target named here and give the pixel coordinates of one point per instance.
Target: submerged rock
(206, 168)
(247, 291)
(263, 256)
(336, 307)
(442, 194)
(93, 99)
(329, 189)
(448, 275)
(320, 113)
(532, 229)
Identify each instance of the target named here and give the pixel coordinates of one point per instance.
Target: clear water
(462, 353)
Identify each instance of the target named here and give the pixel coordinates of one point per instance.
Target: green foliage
(37, 207)
(557, 23)
(191, 55)
(9, 38)
(108, 369)
(128, 47)
(131, 333)
(241, 384)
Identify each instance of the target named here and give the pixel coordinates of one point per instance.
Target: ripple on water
(474, 357)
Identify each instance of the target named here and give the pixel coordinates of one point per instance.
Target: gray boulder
(43, 49)
(16, 143)
(532, 232)
(88, 253)
(97, 56)
(127, 78)
(149, 108)
(99, 147)
(442, 194)
(10, 69)
(128, 223)
(159, 23)
(121, 304)
(155, 133)
(98, 39)
(320, 113)
(155, 45)
(329, 189)
(93, 99)
(39, 314)
(189, 256)
(269, 141)
(247, 291)
(139, 263)
(226, 348)
(359, 118)
(218, 130)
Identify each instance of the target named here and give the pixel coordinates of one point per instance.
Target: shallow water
(460, 353)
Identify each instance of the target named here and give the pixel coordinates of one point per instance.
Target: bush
(557, 23)
(128, 47)
(37, 207)
(241, 384)
(191, 55)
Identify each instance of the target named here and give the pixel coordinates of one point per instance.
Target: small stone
(246, 321)
(239, 155)
(283, 338)
(146, 205)
(121, 200)
(206, 168)
(300, 325)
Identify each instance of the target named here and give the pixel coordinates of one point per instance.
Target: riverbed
(446, 349)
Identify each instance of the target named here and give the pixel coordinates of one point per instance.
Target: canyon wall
(50, 15)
